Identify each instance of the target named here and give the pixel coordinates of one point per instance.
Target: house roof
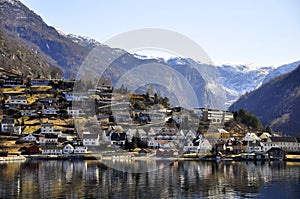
(283, 139)
(118, 136)
(51, 147)
(222, 131)
(90, 136)
(163, 142)
(212, 140)
(69, 145)
(51, 135)
(7, 120)
(18, 97)
(47, 124)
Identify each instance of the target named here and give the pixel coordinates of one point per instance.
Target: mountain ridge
(276, 103)
(69, 51)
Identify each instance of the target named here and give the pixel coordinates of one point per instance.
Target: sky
(257, 32)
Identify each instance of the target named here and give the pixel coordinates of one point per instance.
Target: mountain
(276, 103)
(85, 42)
(28, 28)
(281, 70)
(234, 80)
(214, 86)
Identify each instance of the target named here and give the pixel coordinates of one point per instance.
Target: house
(165, 144)
(17, 130)
(152, 132)
(80, 150)
(28, 111)
(68, 149)
(190, 134)
(287, 144)
(251, 137)
(74, 112)
(264, 136)
(130, 133)
(190, 148)
(13, 82)
(17, 101)
(91, 140)
(75, 96)
(224, 135)
(167, 134)
(33, 150)
(39, 82)
(52, 150)
(142, 135)
(152, 143)
(47, 127)
(48, 139)
(7, 125)
(49, 110)
(48, 101)
(254, 146)
(198, 145)
(118, 138)
(29, 138)
(214, 116)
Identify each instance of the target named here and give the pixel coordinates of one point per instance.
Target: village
(45, 118)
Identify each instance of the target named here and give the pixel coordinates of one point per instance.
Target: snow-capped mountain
(236, 80)
(239, 79)
(281, 70)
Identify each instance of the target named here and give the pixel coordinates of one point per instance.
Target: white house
(287, 144)
(49, 110)
(265, 136)
(17, 101)
(251, 137)
(28, 111)
(199, 145)
(39, 82)
(47, 127)
(91, 140)
(214, 116)
(80, 150)
(29, 138)
(152, 143)
(68, 149)
(130, 133)
(190, 134)
(142, 134)
(190, 148)
(74, 112)
(52, 150)
(48, 139)
(165, 144)
(7, 125)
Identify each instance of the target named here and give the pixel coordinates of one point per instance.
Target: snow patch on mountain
(281, 70)
(81, 40)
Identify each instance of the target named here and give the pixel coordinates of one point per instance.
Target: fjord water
(181, 179)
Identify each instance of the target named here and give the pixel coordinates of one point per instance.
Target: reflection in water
(189, 179)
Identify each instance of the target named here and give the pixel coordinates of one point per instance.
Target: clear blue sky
(262, 32)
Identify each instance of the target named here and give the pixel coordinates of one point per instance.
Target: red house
(33, 150)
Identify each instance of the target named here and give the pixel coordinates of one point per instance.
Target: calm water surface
(189, 179)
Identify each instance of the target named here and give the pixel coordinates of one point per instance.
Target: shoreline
(133, 158)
